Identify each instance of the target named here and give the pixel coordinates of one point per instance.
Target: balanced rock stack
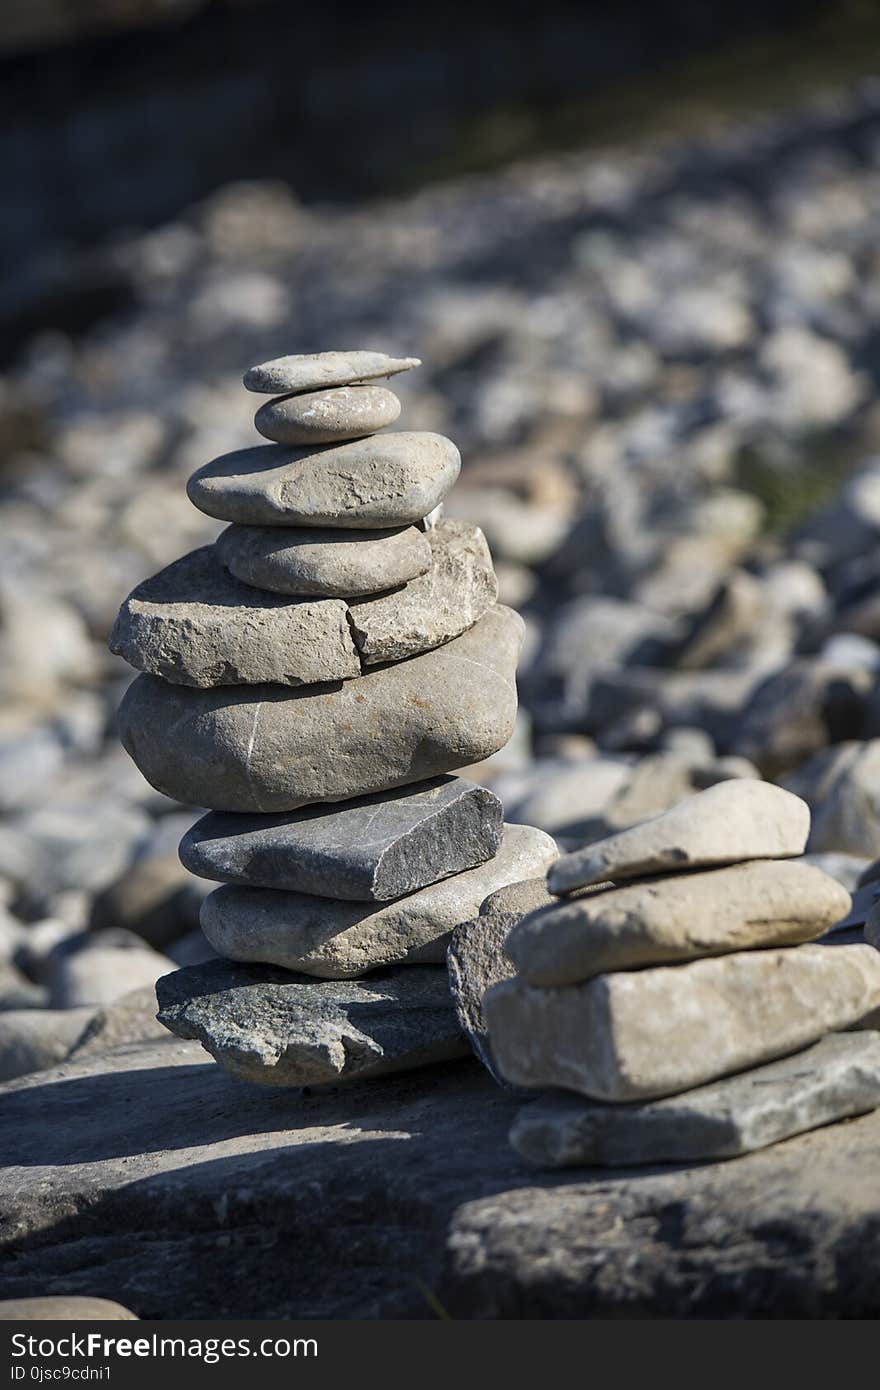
(666, 975)
(313, 678)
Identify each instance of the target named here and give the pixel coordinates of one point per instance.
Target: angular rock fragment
(305, 561)
(325, 417)
(476, 959)
(311, 371)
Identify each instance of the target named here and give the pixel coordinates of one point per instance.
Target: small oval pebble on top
(311, 371)
(327, 417)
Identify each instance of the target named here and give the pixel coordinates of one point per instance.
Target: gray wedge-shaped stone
(638, 1034)
(326, 417)
(311, 371)
(304, 562)
(833, 1080)
(451, 597)
(194, 624)
(661, 920)
(272, 748)
(368, 484)
(374, 848)
(735, 820)
(476, 960)
(333, 939)
(277, 1029)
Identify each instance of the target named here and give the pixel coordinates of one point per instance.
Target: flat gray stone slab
(194, 624)
(278, 1029)
(340, 940)
(454, 594)
(303, 561)
(326, 417)
(272, 748)
(383, 481)
(310, 371)
(683, 917)
(640, 1034)
(149, 1176)
(735, 820)
(372, 849)
(833, 1080)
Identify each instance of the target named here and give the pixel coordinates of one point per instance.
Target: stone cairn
(313, 678)
(665, 981)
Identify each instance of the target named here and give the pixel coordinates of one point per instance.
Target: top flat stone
(367, 484)
(732, 821)
(324, 417)
(310, 371)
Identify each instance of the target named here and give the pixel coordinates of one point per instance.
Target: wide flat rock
(375, 483)
(149, 1176)
(640, 1034)
(272, 748)
(451, 597)
(194, 624)
(836, 1078)
(325, 417)
(303, 561)
(340, 940)
(281, 1029)
(374, 848)
(309, 371)
(680, 918)
(734, 820)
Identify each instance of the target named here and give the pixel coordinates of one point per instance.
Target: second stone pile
(673, 984)
(313, 678)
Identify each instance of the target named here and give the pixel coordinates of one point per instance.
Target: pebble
(734, 820)
(99, 974)
(194, 624)
(374, 848)
(305, 562)
(833, 1080)
(639, 1034)
(311, 371)
(335, 939)
(840, 784)
(367, 484)
(326, 417)
(273, 749)
(32, 1039)
(742, 907)
(454, 594)
(154, 897)
(267, 1025)
(64, 1308)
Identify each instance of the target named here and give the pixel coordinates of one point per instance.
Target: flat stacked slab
(666, 1000)
(313, 678)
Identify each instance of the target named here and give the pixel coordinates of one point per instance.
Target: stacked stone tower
(313, 678)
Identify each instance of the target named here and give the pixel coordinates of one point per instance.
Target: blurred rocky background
(639, 254)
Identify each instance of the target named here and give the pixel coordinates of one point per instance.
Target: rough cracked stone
(661, 920)
(311, 371)
(733, 820)
(328, 564)
(270, 748)
(194, 624)
(372, 849)
(340, 940)
(639, 1034)
(833, 1080)
(454, 594)
(325, 417)
(476, 959)
(368, 484)
(64, 1309)
(265, 1025)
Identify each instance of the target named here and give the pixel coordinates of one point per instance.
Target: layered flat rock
(835, 1079)
(271, 748)
(368, 484)
(731, 821)
(311, 371)
(194, 624)
(327, 564)
(268, 1026)
(639, 1034)
(656, 921)
(325, 417)
(333, 939)
(374, 848)
(448, 599)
